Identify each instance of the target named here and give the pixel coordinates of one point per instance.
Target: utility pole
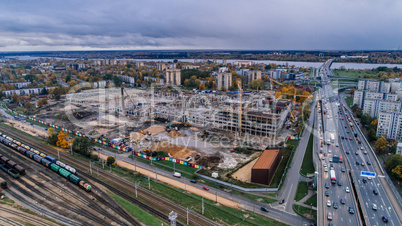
(202, 199)
(216, 195)
(58, 153)
(137, 183)
(149, 183)
(156, 173)
(187, 215)
(90, 167)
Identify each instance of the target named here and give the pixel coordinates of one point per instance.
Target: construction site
(200, 128)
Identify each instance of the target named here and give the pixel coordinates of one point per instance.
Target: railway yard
(56, 198)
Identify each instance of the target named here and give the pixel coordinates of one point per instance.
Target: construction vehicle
(145, 133)
(293, 118)
(187, 124)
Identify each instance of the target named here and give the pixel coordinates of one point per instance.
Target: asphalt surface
(355, 158)
(336, 192)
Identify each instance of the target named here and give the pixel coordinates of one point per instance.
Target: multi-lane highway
(338, 197)
(374, 202)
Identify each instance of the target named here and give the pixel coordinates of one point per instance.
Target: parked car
(281, 201)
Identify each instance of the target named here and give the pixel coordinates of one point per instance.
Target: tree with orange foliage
(62, 141)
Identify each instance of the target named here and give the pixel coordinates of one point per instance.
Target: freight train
(11, 167)
(50, 162)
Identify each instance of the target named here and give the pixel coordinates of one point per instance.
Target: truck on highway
(333, 176)
(332, 137)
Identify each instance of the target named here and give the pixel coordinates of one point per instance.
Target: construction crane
(241, 104)
(293, 118)
(294, 98)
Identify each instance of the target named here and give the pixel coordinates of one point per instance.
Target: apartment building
(374, 106)
(253, 75)
(161, 66)
(390, 125)
(361, 95)
(224, 80)
(173, 77)
(399, 149)
(127, 79)
(374, 86)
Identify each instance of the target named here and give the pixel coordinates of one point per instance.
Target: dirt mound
(194, 129)
(137, 136)
(175, 134)
(155, 129)
(175, 151)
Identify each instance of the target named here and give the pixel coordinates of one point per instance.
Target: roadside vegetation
(302, 190)
(308, 165)
(307, 213)
(287, 156)
(312, 201)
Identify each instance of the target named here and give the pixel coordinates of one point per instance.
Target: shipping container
(50, 158)
(37, 158)
(61, 164)
(35, 151)
(85, 186)
(46, 162)
(3, 183)
(74, 179)
(14, 173)
(4, 159)
(55, 167)
(64, 173)
(20, 169)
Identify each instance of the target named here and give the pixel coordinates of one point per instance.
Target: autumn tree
(62, 140)
(393, 162)
(397, 171)
(50, 131)
(381, 144)
(110, 160)
(201, 86)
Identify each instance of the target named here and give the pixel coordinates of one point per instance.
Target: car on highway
(339, 183)
(365, 152)
(368, 163)
(327, 193)
(343, 201)
(374, 206)
(350, 138)
(343, 169)
(363, 164)
(326, 185)
(329, 151)
(325, 164)
(205, 188)
(329, 217)
(335, 205)
(328, 203)
(356, 153)
(375, 192)
(351, 210)
(193, 181)
(264, 209)
(326, 169)
(323, 158)
(359, 142)
(361, 148)
(347, 152)
(330, 160)
(342, 137)
(364, 180)
(384, 219)
(347, 190)
(320, 151)
(357, 163)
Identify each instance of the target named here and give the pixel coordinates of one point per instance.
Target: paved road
(289, 187)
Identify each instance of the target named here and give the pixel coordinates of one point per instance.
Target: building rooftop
(266, 159)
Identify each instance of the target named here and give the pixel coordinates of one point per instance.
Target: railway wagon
(42, 155)
(10, 171)
(35, 151)
(55, 168)
(50, 158)
(4, 159)
(3, 183)
(22, 150)
(46, 162)
(20, 169)
(74, 179)
(11, 163)
(85, 186)
(37, 158)
(61, 164)
(71, 169)
(64, 173)
(30, 154)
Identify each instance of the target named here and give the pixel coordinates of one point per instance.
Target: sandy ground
(27, 128)
(244, 173)
(178, 184)
(137, 136)
(155, 129)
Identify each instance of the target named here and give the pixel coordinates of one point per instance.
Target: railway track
(73, 192)
(22, 216)
(118, 185)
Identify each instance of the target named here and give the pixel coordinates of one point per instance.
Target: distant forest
(383, 57)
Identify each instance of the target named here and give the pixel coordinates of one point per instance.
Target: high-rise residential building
(253, 75)
(139, 64)
(361, 95)
(161, 66)
(224, 62)
(374, 106)
(224, 80)
(173, 77)
(374, 86)
(390, 125)
(399, 149)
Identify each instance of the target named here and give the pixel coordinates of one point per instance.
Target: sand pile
(155, 129)
(175, 134)
(137, 136)
(194, 129)
(175, 151)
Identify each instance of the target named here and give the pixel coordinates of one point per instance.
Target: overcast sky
(27, 25)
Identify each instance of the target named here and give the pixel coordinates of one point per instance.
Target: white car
(330, 160)
(374, 206)
(326, 169)
(329, 151)
(337, 144)
(325, 164)
(329, 203)
(347, 190)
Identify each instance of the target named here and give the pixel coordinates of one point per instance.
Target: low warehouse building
(264, 169)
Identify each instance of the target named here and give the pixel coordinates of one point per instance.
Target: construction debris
(174, 151)
(175, 134)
